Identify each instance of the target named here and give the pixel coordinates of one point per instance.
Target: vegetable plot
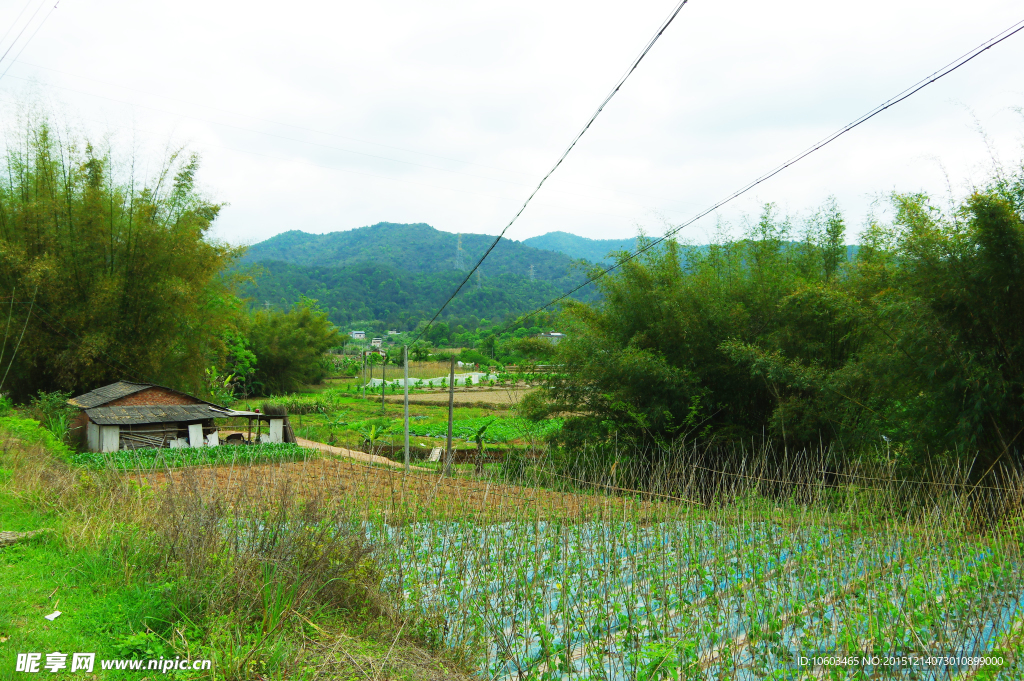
(619, 600)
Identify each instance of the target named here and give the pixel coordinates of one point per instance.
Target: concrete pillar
(110, 438)
(92, 432)
(195, 435)
(276, 430)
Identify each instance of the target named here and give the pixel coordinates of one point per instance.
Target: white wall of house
(195, 435)
(110, 438)
(92, 434)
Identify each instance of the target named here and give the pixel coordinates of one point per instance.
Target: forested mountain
(413, 248)
(400, 274)
(580, 247)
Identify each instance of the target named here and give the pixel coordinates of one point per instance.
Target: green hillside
(413, 248)
(580, 247)
(400, 274)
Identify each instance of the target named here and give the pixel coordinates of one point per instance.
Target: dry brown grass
(373, 491)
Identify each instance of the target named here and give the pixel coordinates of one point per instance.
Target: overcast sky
(326, 116)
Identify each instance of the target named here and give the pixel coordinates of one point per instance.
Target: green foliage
(120, 270)
(289, 346)
(31, 432)
(918, 343)
(219, 389)
(240, 361)
(131, 459)
(488, 429)
(396, 274)
(318, 403)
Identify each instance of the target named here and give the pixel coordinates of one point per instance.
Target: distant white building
(358, 335)
(392, 333)
(377, 342)
(553, 336)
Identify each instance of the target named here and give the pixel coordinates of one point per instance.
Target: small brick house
(126, 415)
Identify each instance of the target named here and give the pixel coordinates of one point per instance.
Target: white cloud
(330, 116)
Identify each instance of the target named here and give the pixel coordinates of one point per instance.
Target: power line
(618, 86)
(920, 85)
(316, 132)
(22, 31)
(16, 20)
(342, 149)
(345, 170)
(26, 43)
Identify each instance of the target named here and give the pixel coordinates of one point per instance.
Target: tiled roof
(108, 393)
(139, 414)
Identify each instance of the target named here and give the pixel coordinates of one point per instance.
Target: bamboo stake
(451, 407)
(405, 351)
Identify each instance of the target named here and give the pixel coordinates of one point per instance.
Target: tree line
(911, 352)
(109, 275)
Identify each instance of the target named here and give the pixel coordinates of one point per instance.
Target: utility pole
(406, 353)
(449, 455)
(383, 375)
(371, 378)
(364, 374)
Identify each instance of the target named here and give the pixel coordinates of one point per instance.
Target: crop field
(560, 578)
(622, 600)
(149, 458)
(339, 416)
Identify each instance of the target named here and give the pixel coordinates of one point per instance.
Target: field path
(341, 451)
(354, 454)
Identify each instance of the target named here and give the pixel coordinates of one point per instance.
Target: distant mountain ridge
(580, 247)
(414, 248)
(401, 273)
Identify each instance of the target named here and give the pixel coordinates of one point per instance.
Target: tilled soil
(372, 490)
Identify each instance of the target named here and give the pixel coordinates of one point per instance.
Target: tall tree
(115, 275)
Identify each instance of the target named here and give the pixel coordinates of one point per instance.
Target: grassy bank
(268, 585)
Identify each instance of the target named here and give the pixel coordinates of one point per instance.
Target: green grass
(126, 459)
(345, 420)
(101, 612)
(30, 432)
(142, 573)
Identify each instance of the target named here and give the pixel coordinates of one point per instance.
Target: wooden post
(449, 455)
(406, 358)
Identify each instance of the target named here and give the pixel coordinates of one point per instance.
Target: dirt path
(341, 451)
(353, 454)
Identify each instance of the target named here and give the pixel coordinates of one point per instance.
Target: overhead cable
(618, 86)
(26, 43)
(913, 89)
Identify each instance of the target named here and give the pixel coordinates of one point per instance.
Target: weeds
(266, 582)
